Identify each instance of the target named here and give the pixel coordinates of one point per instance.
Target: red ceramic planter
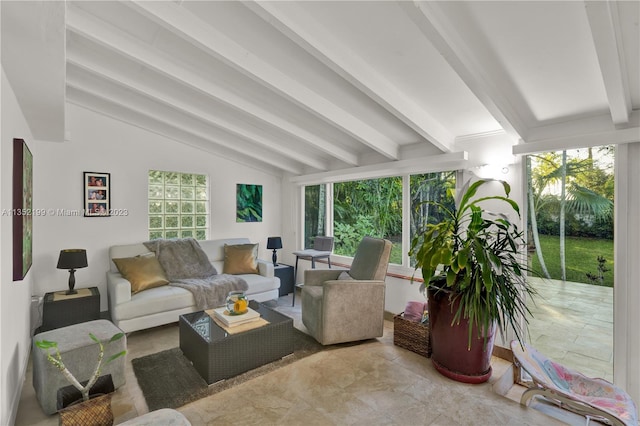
(450, 354)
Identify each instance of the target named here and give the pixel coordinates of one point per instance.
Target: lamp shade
(72, 259)
(274, 243)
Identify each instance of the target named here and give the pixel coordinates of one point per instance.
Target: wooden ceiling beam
(218, 140)
(84, 25)
(186, 25)
(605, 30)
(442, 34)
(321, 44)
(145, 89)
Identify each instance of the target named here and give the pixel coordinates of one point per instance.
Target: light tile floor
(374, 383)
(573, 324)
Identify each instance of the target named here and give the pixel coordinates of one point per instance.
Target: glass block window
(178, 205)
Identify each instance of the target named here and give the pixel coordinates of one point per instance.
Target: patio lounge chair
(595, 399)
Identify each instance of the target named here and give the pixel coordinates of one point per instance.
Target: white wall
(101, 144)
(15, 297)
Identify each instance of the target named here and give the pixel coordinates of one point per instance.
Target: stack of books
(223, 315)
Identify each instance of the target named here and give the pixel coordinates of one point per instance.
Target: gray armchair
(344, 306)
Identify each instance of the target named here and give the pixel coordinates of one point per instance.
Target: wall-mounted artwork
(97, 194)
(248, 203)
(22, 209)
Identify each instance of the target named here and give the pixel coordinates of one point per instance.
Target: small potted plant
(474, 272)
(54, 356)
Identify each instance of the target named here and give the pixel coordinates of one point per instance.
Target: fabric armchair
(344, 306)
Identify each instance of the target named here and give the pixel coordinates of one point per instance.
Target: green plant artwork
(248, 203)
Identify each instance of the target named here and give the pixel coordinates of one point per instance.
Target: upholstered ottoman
(79, 354)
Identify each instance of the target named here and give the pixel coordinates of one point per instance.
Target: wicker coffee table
(217, 355)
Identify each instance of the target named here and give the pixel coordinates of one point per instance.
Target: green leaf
(46, 344)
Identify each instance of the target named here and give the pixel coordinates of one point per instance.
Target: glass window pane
(201, 180)
(426, 189)
(201, 234)
(368, 207)
(187, 207)
(187, 193)
(171, 221)
(172, 192)
(201, 221)
(186, 233)
(155, 191)
(187, 221)
(154, 235)
(201, 193)
(155, 222)
(172, 234)
(201, 207)
(155, 206)
(314, 213)
(186, 179)
(155, 176)
(172, 178)
(171, 206)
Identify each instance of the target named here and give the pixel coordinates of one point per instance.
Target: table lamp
(72, 259)
(274, 243)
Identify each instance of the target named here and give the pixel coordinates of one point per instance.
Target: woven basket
(411, 335)
(94, 412)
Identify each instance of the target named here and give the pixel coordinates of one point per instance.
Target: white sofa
(163, 305)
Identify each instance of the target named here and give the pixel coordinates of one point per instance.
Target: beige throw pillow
(241, 259)
(143, 272)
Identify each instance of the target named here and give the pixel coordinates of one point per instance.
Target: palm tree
(574, 198)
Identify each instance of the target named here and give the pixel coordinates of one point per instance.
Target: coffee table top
(211, 332)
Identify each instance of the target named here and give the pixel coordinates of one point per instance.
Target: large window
(374, 207)
(178, 205)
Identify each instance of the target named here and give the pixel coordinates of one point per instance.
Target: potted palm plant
(474, 273)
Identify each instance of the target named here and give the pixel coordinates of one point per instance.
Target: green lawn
(581, 257)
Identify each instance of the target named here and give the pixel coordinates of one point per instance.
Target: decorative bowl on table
(237, 303)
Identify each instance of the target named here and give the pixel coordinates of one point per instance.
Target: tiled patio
(573, 324)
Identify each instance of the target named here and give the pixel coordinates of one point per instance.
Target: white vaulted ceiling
(306, 87)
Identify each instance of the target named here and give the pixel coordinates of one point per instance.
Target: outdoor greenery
(366, 207)
(582, 258)
(374, 207)
(570, 195)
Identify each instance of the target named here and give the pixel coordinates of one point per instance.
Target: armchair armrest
(118, 289)
(319, 276)
(265, 268)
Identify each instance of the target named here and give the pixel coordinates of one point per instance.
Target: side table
(285, 273)
(61, 310)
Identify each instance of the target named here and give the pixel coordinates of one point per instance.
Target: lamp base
(68, 292)
(274, 258)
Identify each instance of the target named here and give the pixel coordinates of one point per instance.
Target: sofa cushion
(241, 259)
(259, 283)
(143, 272)
(153, 301)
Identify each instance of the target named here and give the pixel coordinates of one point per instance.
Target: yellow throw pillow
(143, 272)
(241, 259)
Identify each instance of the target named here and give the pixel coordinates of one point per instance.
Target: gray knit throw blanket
(186, 265)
